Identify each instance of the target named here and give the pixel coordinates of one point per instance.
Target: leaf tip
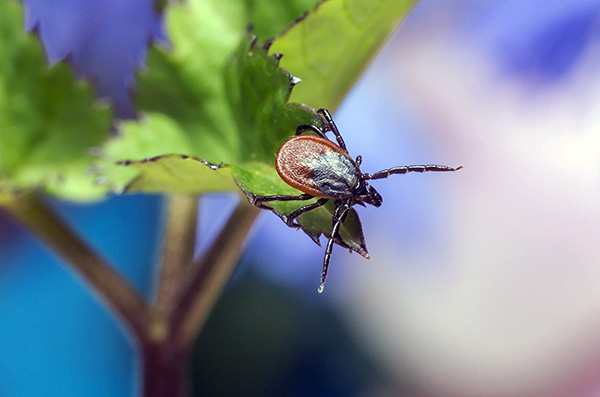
(267, 44)
(313, 236)
(253, 37)
(362, 251)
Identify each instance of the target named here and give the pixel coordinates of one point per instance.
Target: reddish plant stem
(164, 371)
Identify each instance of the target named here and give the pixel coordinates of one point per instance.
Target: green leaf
(215, 96)
(48, 120)
(260, 179)
(212, 94)
(180, 174)
(315, 223)
(269, 17)
(331, 47)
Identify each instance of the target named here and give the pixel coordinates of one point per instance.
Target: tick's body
(323, 169)
(317, 166)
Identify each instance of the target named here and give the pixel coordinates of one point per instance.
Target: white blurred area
(509, 301)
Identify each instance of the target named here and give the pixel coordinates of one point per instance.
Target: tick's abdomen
(317, 166)
(335, 174)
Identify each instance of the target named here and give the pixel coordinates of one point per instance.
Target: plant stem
(209, 275)
(166, 332)
(164, 371)
(178, 250)
(125, 301)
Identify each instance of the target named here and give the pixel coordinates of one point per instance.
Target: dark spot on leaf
(300, 18)
(267, 44)
(253, 40)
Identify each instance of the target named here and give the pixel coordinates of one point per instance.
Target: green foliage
(212, 96)
(215, 96)
(334, 43)
(48, 121)
(315, 223)
(232, 107)
(179, 174)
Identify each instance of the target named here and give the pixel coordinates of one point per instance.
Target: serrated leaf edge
(126, 163)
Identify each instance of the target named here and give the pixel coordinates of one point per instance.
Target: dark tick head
(366, 194)
(374, 198)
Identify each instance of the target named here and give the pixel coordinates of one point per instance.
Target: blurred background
(484, 282)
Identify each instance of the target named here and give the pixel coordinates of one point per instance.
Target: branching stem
(178, 252)
(185, 295)
(208, 276)
(121, 296)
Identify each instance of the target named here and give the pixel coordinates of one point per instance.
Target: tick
(324, 170)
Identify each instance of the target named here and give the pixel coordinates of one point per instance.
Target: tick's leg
(338, 218)
(410, 168)
(336, 213)
(307, 127)
(358, 160)
(291, 217)
(325, 113)
(260, 200)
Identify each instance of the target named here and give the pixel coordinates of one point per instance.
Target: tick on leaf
(324, 170)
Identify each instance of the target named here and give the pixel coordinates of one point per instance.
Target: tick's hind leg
(410, 168)
(339, 216)
(260, 200)
(330, 123)
(301, 129)
(289, 219)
